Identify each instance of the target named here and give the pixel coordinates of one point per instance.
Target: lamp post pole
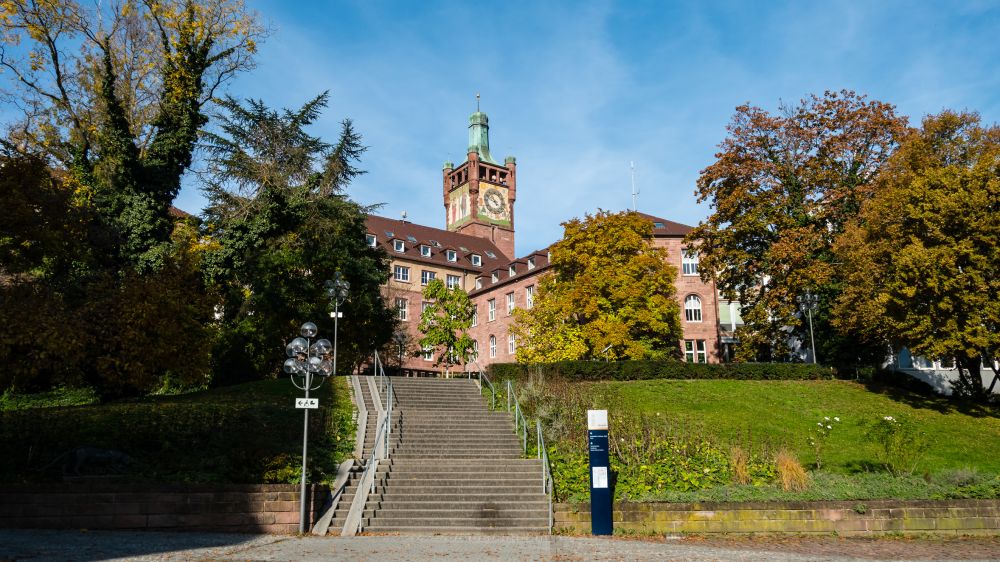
(400, 338)
(306, 359)
(808, 302)
(336, 291)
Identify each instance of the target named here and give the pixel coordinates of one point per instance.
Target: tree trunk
(970, 381)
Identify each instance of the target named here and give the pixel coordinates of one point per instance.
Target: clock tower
(479, 194)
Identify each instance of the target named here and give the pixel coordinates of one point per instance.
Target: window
(425, 250)
(454, 281)
(389, 234)
(426, 276)
(477, 260)
(495, 277)
(491, 255)
(689, 262)
(427, 352)
(475, 349)
(424, 305)
(511, 271)
(510, 303)
(511, 344)
(479, 282)
(401, 306)
(694, 351)
(399, 245)
(947, 363)
(531, 263)
(452, 255)
(401, 273)
(492, 308)
(370, 239)
(692, 308)
(529, 296)
(435, 243)
(475, 315)
(411, 239)
(493, 346)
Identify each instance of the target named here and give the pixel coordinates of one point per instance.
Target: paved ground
(37, 546)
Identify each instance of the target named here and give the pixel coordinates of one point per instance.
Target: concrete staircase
(454, 467)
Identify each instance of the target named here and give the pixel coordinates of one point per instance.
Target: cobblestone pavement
(39, 545)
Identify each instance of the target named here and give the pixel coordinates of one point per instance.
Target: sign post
(601, 522)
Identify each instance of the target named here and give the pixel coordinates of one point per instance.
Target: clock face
(493, 205)
(494, 201)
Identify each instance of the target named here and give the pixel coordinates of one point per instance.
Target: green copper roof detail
(479, 136)
(449, 166)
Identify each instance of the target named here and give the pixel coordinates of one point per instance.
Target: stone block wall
(252, 508)
(952, 517)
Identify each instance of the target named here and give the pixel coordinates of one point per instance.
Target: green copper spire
(479, 136)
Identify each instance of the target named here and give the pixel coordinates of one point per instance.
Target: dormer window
(452, 255)
(531, 263)
(425, 250)
(399, 245)
(479, 282)
(477, 260)
(495, 277)
(370, 240)
(491, 255)
(511, 271)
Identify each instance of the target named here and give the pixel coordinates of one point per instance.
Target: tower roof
(479, 136)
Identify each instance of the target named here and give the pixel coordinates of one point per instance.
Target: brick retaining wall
(961, 517)
(260, 508)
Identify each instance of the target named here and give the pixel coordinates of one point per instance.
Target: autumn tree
(610, 295)
(922, 258)
(279, 225)
(782, 188)
(445, 324)
(115, 93)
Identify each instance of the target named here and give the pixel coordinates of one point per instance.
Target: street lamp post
(336, 291)
(306, 359)
(400, 338)
(809, 302)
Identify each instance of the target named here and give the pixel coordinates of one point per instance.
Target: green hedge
(646, 370)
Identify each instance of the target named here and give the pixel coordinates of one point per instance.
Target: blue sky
(577, 90)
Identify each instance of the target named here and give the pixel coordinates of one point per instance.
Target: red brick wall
(262, 508)
(708, 328)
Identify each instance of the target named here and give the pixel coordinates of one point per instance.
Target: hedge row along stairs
(454, 466)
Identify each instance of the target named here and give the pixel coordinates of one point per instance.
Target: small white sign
(336, 315)
(597, 419)
(600, 477)
(307, 403)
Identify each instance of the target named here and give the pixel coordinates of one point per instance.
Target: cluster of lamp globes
(305, 359)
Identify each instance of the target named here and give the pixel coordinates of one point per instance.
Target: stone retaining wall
(961, 517)
(262, 508)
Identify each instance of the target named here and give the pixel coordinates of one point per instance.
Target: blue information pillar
(600, 468)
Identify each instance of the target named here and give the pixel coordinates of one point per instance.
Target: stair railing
(482, 379)
(366, 484)
(543, 455)
(520, 424)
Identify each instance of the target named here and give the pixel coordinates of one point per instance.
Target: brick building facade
(475, 252)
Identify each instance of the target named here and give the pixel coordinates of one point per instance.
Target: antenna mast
(635, 192)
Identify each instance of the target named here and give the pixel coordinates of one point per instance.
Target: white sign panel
(597, 419)
(307, 403)
(600, 477)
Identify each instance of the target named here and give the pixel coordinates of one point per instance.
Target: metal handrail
(547, 483)
(519, 421)
(483, 378)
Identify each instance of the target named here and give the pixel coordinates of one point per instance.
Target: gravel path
(41, 545)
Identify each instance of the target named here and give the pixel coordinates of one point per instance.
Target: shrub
(900, 444)
(738, 461)
(791, 474)
(647, 370)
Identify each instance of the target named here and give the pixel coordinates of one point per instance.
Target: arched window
(692, 308)
(493, 346)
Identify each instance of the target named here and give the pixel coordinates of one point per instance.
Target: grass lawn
(248, 433)
(781, 413)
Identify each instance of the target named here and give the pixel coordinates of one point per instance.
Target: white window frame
(401, 273)
(511, 271)
(475, 349)
(689, 263)
(529, 296)
(477, 260)
(451, 255)
(493, 346)
(531, 263)
(475, 316)
(399, 246)
(492, 310)
(425, 250)
(424, 305)
(510, 303)
(426, 276)
(402, 309)
(695, 351)
(692, 308)
(511, 344)
(453, 281)
(494, 277)
(371, 240)
(427, 352)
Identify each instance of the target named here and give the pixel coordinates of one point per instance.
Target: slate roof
(414, 235)
(664, 227)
